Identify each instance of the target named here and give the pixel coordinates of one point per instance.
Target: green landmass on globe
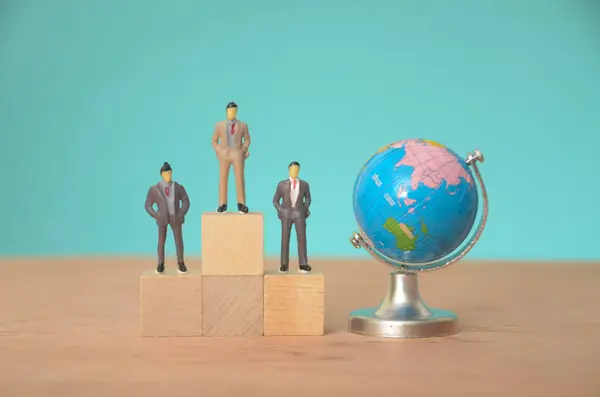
(406, 239)
(424, 229)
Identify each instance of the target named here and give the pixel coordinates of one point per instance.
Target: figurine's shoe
(304, 269)
(160, 268)
(181, 267)
(283, 269)
(222, 208)
(242, 209)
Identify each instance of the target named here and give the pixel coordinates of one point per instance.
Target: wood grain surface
(294, 303)
(71, 328)
(232, 244)
(170, 303)
(233, 305)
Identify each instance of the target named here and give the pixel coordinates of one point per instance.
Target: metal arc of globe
(416, 203)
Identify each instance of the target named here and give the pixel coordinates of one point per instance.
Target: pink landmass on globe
(400, 144)
(401, 196)
(431, 164)
(406, 231)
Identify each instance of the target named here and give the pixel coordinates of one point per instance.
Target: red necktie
(232, 127)
(167, 190)
(294, 185)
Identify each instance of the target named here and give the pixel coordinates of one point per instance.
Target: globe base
(403, 314)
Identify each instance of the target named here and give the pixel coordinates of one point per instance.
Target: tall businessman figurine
(292, 201)
(231, 141)
(172, 203)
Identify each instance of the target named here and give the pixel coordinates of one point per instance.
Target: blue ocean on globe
(415, 201)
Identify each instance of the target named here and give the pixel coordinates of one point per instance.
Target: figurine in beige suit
(231, 141)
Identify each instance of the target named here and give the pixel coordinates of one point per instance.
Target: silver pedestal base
(403, 314)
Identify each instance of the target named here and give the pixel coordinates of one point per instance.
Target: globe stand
(403, 314)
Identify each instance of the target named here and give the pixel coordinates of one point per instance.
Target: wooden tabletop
(70, 327)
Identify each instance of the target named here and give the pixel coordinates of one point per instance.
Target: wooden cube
(294, 304)
(232, 244)
(233, 305)
(171, 303)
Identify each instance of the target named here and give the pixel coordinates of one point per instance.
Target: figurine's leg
(300, 224)
(286, 228)
(162, 237)
(224, 165)
(178, 236)
(240, 183)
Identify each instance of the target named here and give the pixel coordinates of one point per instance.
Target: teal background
(96, 95)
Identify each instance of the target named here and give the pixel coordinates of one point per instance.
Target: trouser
(298, 219)
(162, 238)
(235, 158)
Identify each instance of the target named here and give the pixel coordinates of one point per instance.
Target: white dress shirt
(294, 191)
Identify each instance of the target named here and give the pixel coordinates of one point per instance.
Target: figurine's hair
(231, 105)
(166, 167)
(294, 163)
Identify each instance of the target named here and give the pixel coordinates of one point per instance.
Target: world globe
(415, 202)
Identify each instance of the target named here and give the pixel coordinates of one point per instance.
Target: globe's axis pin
(474, 157)
(356, 240)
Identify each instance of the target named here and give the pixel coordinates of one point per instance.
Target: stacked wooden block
(232, 295)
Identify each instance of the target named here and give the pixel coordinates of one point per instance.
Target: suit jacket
(157, 196)
(219, 139)
(284, 207)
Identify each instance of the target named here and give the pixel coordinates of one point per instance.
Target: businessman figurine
(231, 141)
(292, 201)
(172, 204)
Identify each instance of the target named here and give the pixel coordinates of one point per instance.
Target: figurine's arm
(307, 200)
(185, 201)
(246, 136)
(149, 204)
(277, 198)
(215, 137)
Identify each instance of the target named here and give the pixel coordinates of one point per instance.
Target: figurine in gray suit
(172, 203)
(292, 201)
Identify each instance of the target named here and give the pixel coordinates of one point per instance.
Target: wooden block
(232, 244)
(294, 304)
(233, 305)
(171, 303)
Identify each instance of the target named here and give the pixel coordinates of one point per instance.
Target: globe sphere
(415, 201)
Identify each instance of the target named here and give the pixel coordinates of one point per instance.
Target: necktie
(294, 184)
(167, 190)
(232, 127)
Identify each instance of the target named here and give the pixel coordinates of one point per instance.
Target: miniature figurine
(292, 201)
(172, 204)
(231, 141)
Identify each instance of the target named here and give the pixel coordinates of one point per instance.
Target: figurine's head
(166, 172)
(231, 110)
(294, 169)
